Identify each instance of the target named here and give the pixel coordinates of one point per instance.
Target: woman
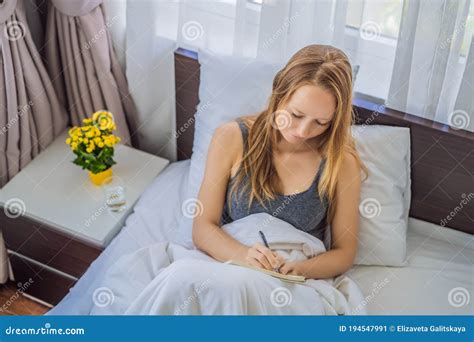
(296, 160)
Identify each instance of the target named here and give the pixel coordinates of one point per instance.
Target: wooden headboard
(442, 159)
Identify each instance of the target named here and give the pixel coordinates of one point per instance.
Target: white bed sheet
(440, 259)
(438, 278)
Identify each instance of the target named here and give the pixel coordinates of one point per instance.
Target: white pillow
(385, 195)
(232, 86)
(229, 87)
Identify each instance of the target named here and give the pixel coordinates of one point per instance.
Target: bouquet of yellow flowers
(93, 143)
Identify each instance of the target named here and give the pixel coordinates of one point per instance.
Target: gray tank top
(304, 210)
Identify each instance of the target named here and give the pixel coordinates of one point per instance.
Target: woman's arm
(345, 227)
(208, 236)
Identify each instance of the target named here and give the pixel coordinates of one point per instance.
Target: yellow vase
(101, 177)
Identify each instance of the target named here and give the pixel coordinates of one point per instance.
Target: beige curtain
(30, 113)
(83, 65)
(82, 75)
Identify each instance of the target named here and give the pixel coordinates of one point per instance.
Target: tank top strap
(321, 168)
(318, 174)
(245, 131)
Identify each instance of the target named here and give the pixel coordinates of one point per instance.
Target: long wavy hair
(320, 65)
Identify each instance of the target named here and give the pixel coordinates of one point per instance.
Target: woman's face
(306, 114)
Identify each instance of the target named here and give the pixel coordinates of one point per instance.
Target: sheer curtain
(432, 76)
(387, 39)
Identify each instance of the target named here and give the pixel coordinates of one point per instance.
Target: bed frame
(442, 159)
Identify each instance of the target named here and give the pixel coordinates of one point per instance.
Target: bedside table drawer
(46, 245)
(47, 285)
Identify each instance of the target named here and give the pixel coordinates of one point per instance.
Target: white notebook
(286, 277)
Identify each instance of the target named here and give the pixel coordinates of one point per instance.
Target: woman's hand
(260, 256)
(291, 267)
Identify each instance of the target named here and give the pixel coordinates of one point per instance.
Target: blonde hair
(326, 67)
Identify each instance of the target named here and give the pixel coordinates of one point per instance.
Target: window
(233, 26)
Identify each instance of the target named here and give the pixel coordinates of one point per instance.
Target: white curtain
(465, 100)
(420, 71)
(148, 61)
(430, 77)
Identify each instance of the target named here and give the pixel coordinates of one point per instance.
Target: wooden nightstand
(57, 222)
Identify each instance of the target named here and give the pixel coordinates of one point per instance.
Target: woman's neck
(284, 147)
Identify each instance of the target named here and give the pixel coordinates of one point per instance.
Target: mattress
(438, 279)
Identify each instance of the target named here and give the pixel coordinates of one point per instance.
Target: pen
(276, 269)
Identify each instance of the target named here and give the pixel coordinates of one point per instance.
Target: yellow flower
(74, 146)
(106, 124)
(91, 148)
(108, 142)
(100, 144)
(104, 120)
(101, 113)
(68, 141)
(85, 140)
(87, 121)
(74, 131)
(90, 134)
(97, 140)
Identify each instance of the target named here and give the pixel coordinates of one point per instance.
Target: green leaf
(98, 161)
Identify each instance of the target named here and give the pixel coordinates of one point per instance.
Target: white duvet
(168, 279)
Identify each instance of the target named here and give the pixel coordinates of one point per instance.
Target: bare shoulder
(227, 142)
(350, 161)
(230, 135)
(350, 168)
(227, 133)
